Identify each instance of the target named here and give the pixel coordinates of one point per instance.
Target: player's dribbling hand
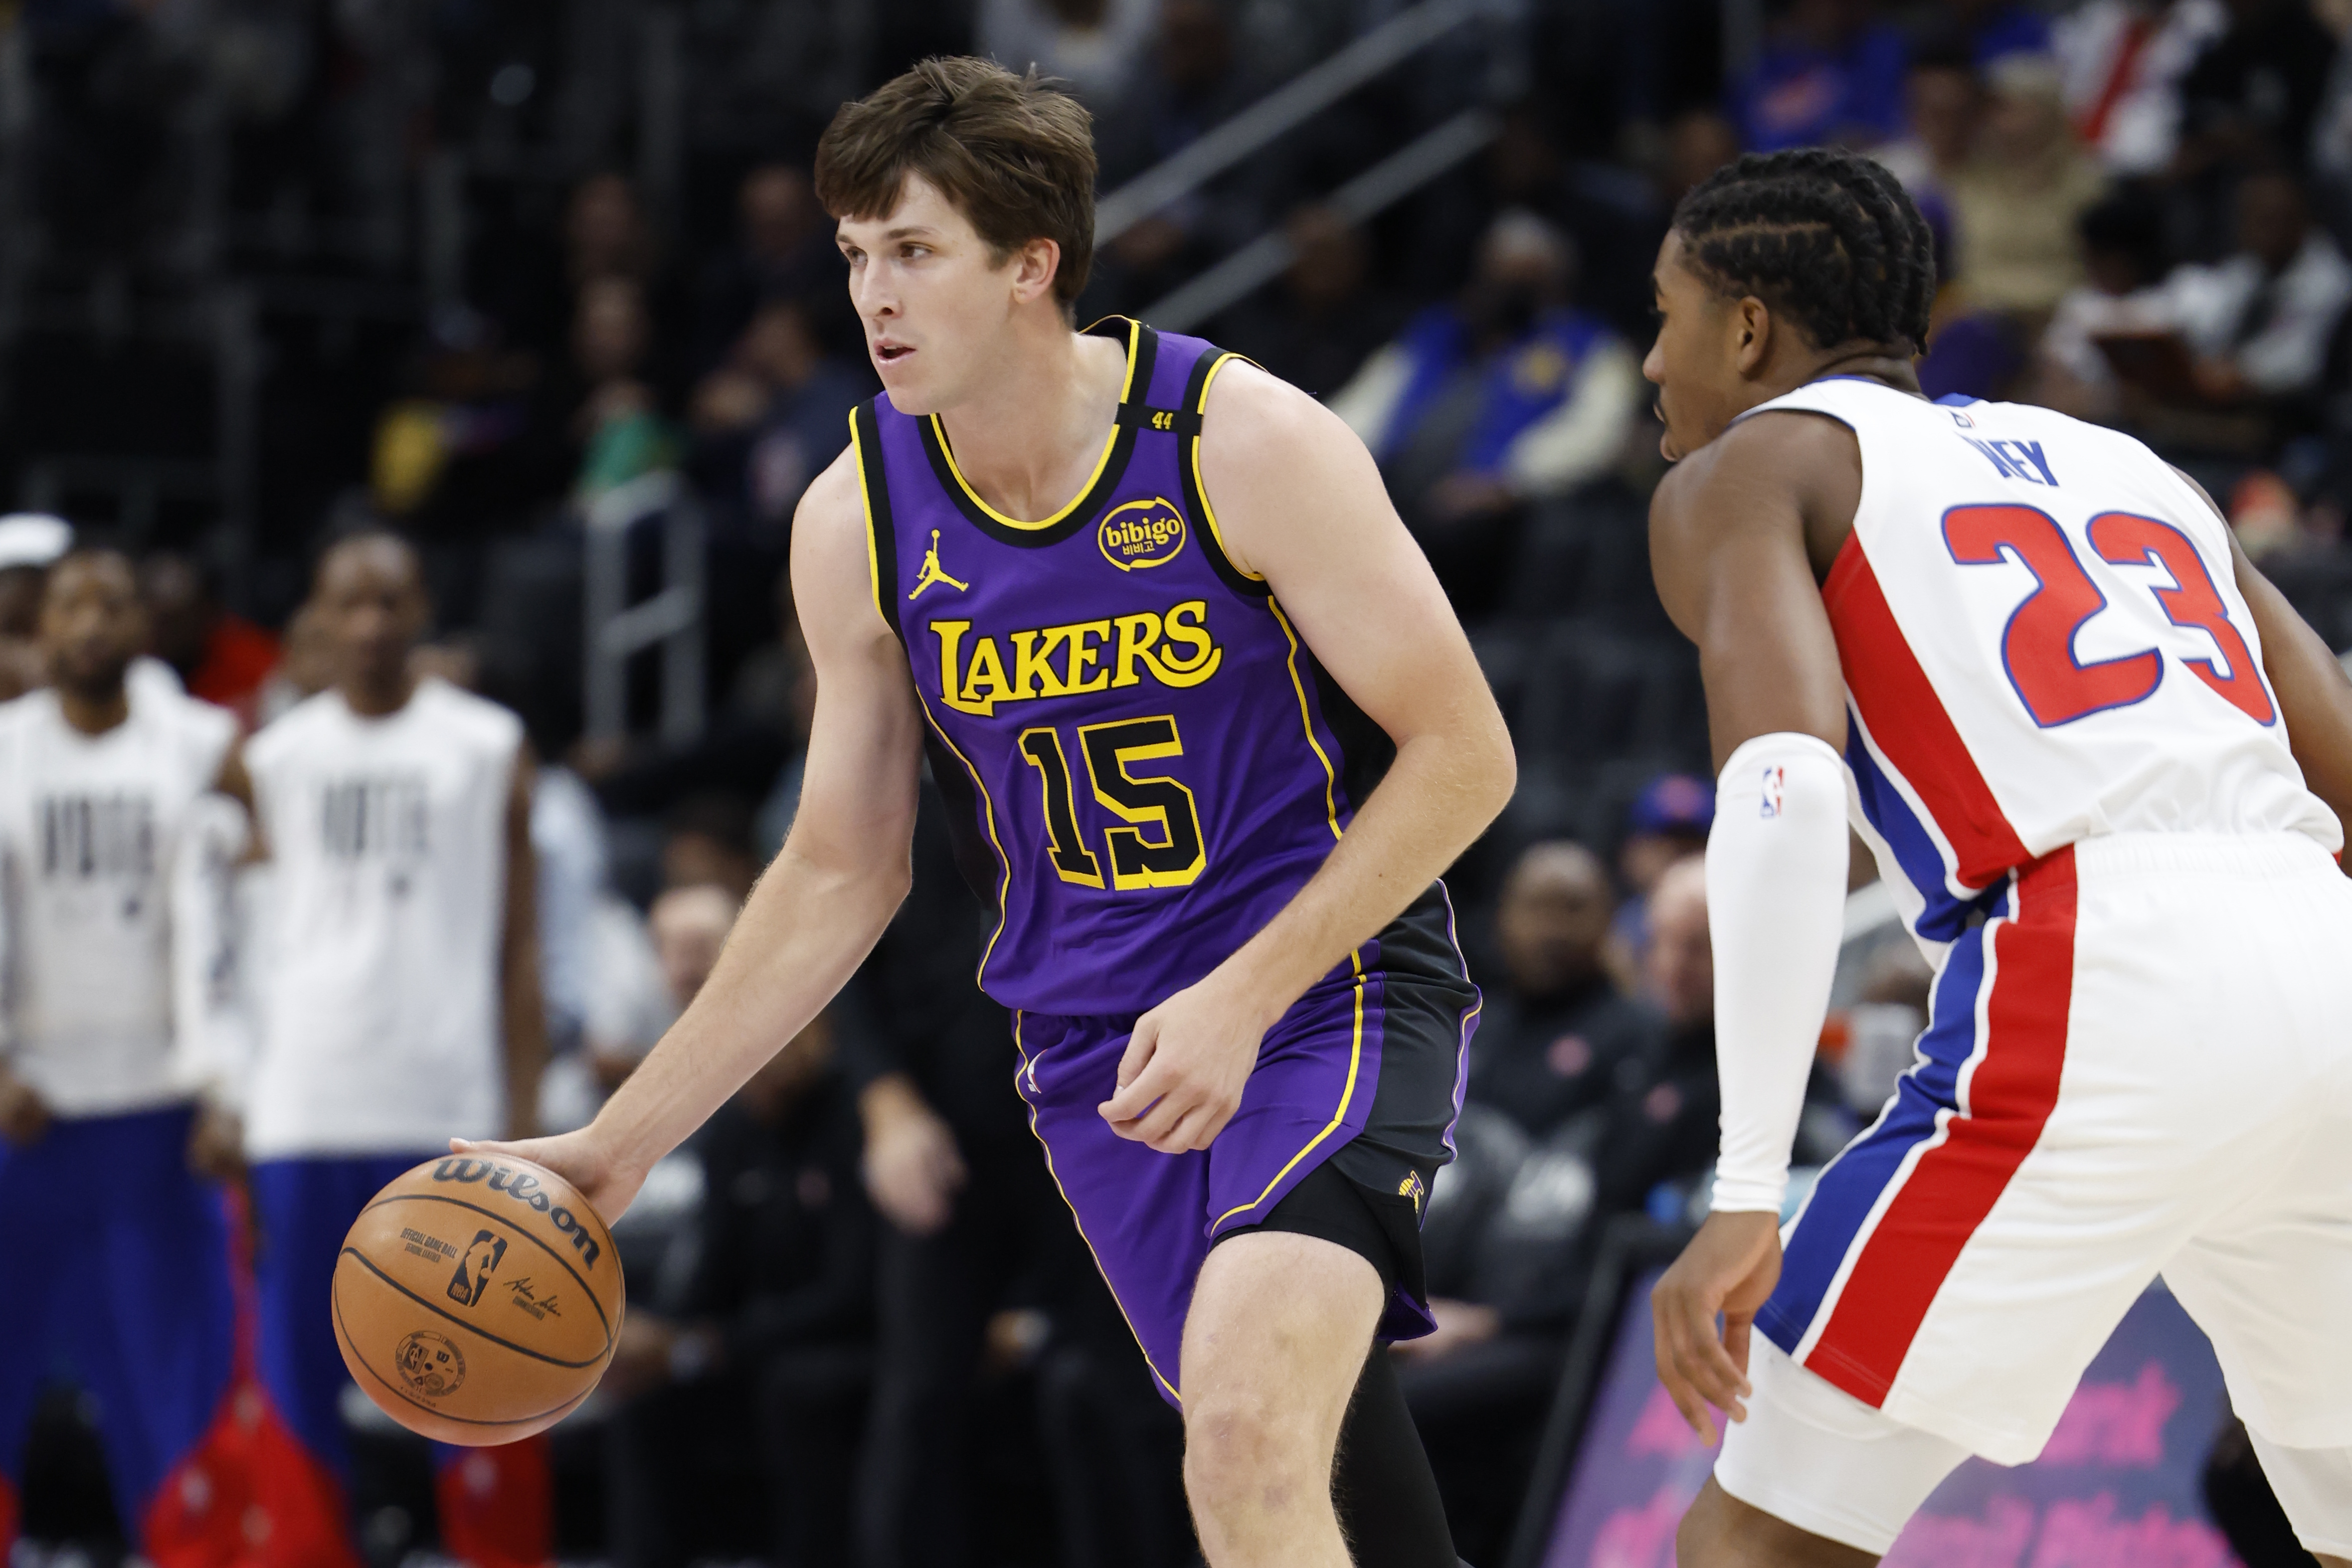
(1730, 1268)
(23, 1117)
(1186, 1064)
(609, 1185)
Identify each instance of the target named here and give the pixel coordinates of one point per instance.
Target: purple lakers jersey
(1142, 760)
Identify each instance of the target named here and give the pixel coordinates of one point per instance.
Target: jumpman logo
(931, 573)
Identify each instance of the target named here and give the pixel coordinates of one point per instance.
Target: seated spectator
(1505, 395)
(2254, 92)
(1551, 1036)
(765, 1354)
(709, 843)
(2261, 322)
(474, 442)
(2017, 200)
(1191, 78)
(2121, 62)
(620, 430)
(1993, 29)
(771, 417)
(1322, 318)
(1832, 71)
(219, 658)
(608, 233)
(1943, 108)
(2123, 263)
(1092, 45)
(1668, 822)
(782, 249)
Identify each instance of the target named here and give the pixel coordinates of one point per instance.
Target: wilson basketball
(478, 1299)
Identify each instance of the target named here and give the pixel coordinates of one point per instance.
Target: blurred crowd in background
(276, 271)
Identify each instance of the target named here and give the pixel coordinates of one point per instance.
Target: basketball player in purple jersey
(1211, 730)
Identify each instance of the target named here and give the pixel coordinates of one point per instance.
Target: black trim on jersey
(1366, 750)
(1145, 354)
(975, 854)
(1180, 421)
(1196, 397)
(1426, 999)
(872, 472)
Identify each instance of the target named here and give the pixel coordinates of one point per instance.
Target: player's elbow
(1501, 776)
(1491, 771)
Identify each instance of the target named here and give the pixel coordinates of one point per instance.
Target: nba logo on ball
(444, 1300)
(1142, 533)
(475, 1268)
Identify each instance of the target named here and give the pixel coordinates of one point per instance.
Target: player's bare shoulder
(1272, 460)
(833, 580)
(1771, 471)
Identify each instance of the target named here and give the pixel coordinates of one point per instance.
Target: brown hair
(1014, 155)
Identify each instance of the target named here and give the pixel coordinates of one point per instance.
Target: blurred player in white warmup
(400, 996)
(2103, 766)
(117, 1253)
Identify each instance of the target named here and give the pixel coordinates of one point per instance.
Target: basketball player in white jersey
(401, 994)
(118, 1256)
(2103, 766)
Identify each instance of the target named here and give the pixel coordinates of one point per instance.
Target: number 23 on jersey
(2037, 647)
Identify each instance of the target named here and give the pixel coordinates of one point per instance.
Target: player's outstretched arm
(1740, 534)
(820, 907)
(1299, 502)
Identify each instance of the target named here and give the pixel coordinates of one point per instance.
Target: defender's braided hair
(1825, 237)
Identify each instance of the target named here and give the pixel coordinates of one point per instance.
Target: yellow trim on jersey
(1200, 486)
(987, 810)
(1110, 443)
(865, 505)
(1026, 1071)
(1330, 776)
(1346, 1094)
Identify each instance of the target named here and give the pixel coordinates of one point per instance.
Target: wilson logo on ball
(430, 1363)
(524, 1189)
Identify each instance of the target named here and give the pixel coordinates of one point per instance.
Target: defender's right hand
(1730, 1268)
(23, 1116)
(609, 1184)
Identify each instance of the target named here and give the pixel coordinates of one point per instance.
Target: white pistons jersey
(379, 1029)
(2043, 643)
(88, 829)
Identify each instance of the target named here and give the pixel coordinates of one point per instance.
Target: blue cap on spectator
(1673, 803)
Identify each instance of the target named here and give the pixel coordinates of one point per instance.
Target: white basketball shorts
(2141, 1063)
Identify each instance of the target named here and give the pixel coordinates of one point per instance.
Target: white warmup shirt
(90, 826)
(380, 1030)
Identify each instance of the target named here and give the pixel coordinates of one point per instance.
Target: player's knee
(1702, 1538)
(1241, 1454)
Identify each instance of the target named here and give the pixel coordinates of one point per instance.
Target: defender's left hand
(1186, 1064)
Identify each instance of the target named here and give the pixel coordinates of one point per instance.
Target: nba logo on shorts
(475, 1268)
(1773, 779)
